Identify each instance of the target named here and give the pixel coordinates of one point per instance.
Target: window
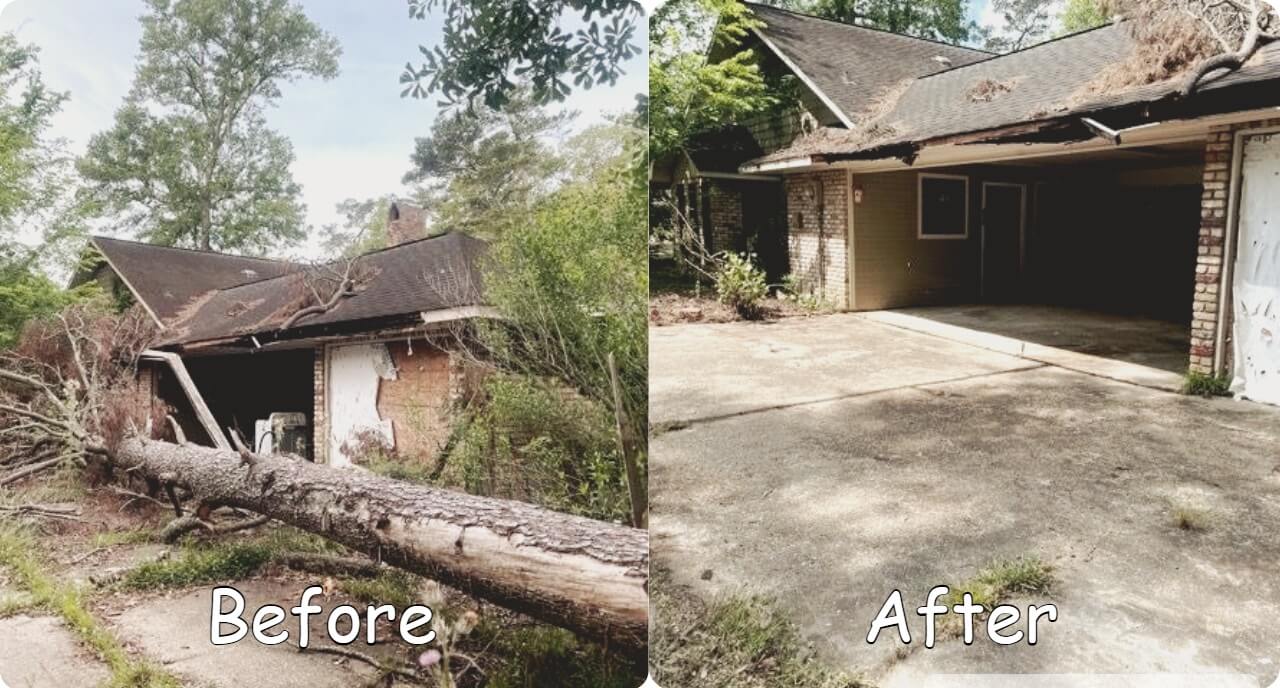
(944, 206)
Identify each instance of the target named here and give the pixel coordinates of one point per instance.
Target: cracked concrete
(846, 459)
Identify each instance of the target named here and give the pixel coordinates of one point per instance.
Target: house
(384, 363)
(1031, 178)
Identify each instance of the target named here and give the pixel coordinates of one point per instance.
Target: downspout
(821, 201)
(1226, 273)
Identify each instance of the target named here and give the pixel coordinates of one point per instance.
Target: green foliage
(485, 42)
(481, 170)
(741, 285)
(689, 95)
(26, 294)
(546, 656)
(364, 228)
(1205, 385)
(939, 20)
(200, 566)
(394, 587)
(736, 641)
(538, 442)
(1081, 15)
(190, 160)
(571, 282)
(993, 584)
(1025, 23)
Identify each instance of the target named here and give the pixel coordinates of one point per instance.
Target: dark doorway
(1003, 225)
(243, 388)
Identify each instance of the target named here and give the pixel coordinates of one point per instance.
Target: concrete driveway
(829, 461)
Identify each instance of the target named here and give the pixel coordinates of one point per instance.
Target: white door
(1256, 287)
(355, 373)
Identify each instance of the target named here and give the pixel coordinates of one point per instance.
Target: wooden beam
(203, 413)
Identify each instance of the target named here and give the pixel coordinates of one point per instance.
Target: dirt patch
(675, 309)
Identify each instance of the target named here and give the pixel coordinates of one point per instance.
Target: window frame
(920, 234)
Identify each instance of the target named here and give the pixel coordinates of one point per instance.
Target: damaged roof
(165, 278)
(1044, 83)
(849, 64)
(431, 274)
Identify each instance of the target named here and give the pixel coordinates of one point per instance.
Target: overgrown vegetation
(530, 656)
(1206, 385)
(735, 641)
(741, 285)
(18, 555)
(1191, 518)
(200, 562)
(537, 441)
(393, 586)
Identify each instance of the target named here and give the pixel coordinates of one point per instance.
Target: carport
(1092, 252)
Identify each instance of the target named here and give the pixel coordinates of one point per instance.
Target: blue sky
(351, 136)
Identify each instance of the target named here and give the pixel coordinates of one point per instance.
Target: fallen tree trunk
(587, 576)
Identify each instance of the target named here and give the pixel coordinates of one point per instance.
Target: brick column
(1213, 231)
(319, 414)
(807, 240)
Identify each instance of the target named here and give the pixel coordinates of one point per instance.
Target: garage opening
(268, 397)
(1093, 252)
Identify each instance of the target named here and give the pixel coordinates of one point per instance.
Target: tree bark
(587, 576)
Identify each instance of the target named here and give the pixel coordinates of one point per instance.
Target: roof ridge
(998, 56)
(751, 3)
(223, 254)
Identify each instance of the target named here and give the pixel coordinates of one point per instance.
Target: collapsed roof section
(1038, 94)
(208, 298)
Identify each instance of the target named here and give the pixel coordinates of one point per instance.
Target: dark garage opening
(241, 389)
(1107, 261)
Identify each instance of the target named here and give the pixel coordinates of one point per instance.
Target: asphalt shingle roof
(851, 64)
(1047, 81)
(418, 276)
(167, 278)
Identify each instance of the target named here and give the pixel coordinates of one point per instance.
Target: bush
(539, 442)
(741, 285)
(1204, 385)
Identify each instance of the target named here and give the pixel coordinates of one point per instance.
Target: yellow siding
(892, 267)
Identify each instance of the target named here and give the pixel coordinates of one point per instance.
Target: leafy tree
(490, 45)
(1025, 23)
(190, 160)
(364, 228)
(1080, 15)
(688, 94)
(480, 170)
(942, 20)
(33, 175)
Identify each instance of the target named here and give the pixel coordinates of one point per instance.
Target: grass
(203, 563)
(993, 585)
(394, 587)
(1191, 519)
(17, 553)
(546, 656)
(131, 536)
(735, 641)
(1204, 385)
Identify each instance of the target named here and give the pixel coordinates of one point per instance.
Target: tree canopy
(190, 160)
(489, 46)
(1080, 15)
(479, 170)
(1026, 22)
(941, 20)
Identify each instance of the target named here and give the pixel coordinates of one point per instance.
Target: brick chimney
(405, 223)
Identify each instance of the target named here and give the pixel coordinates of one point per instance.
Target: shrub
(539, 442)
(1201, 384)
(741, 285)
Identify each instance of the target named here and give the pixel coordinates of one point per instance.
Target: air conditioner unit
(282, 433)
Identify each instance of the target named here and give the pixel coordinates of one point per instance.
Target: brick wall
(817, 229)
(1219, 153)
(417, 402)
(320, 414)
(726, 216)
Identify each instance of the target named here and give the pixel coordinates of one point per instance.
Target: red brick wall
(1219, 154)
(815, 230)
(418, 401)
